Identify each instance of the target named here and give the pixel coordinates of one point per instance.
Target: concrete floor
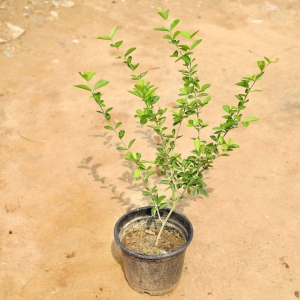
(63, 186)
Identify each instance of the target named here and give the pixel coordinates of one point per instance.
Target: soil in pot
(141, 238)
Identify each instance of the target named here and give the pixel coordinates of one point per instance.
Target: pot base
(153, 292)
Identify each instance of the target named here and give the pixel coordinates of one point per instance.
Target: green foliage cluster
(180, 174)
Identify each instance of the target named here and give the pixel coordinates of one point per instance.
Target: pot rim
(160, 256)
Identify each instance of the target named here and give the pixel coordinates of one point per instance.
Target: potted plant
(154, 239)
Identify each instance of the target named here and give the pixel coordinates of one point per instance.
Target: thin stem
(164, 223)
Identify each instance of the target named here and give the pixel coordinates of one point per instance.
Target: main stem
(165, 222)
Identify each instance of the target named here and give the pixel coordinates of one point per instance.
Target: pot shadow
(117, 254)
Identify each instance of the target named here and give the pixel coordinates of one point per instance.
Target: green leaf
(222, 141)
(135, 93)
(108, 127)
(173, 24)
(82, 86)
(131, 143)
(154, 189)
(195, 122)
(243, 84)
(259, 75)
(164, 182)
(168, 37)
(186, 34)
(108, 110)
(151, 92)
(186, 58)
(261, 64)
(118, 124)
(164, 14)
(88, 75)
(204, 192)
(192, 35)
(143, 121)
(104, 37)
(176, 34)
(184, 47)
(112, 32)
(117, 44)
(153, 211)
(197, 42)
(129, 51)
(137, 174)
(226, 108)
(161, 29)
(146, 193)
(133, 67)
(214, 138)
(239, 97)
(160, 199)
(100, 84)
(163, 205)
(271, 61)
(252, 119)
(121, 148)
(139, 112)
(245, 124)
(133, 155)
(206, 100)
(142, 74)
(175, 54)
(150, 174)
(197, 144)
(205, 86)
(121, 134)
(195, 192)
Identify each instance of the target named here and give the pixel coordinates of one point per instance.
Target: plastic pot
(153, 274)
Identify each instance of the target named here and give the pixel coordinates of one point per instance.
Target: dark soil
(143, 241)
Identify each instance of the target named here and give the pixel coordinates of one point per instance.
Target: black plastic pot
(153, 274)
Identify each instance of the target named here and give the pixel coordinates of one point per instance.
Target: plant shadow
(129, 200)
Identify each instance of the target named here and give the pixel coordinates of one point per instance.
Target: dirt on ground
(63, 185)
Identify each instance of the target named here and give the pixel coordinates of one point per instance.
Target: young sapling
(180, 175)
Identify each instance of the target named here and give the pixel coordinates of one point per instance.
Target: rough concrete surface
(63, 185)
